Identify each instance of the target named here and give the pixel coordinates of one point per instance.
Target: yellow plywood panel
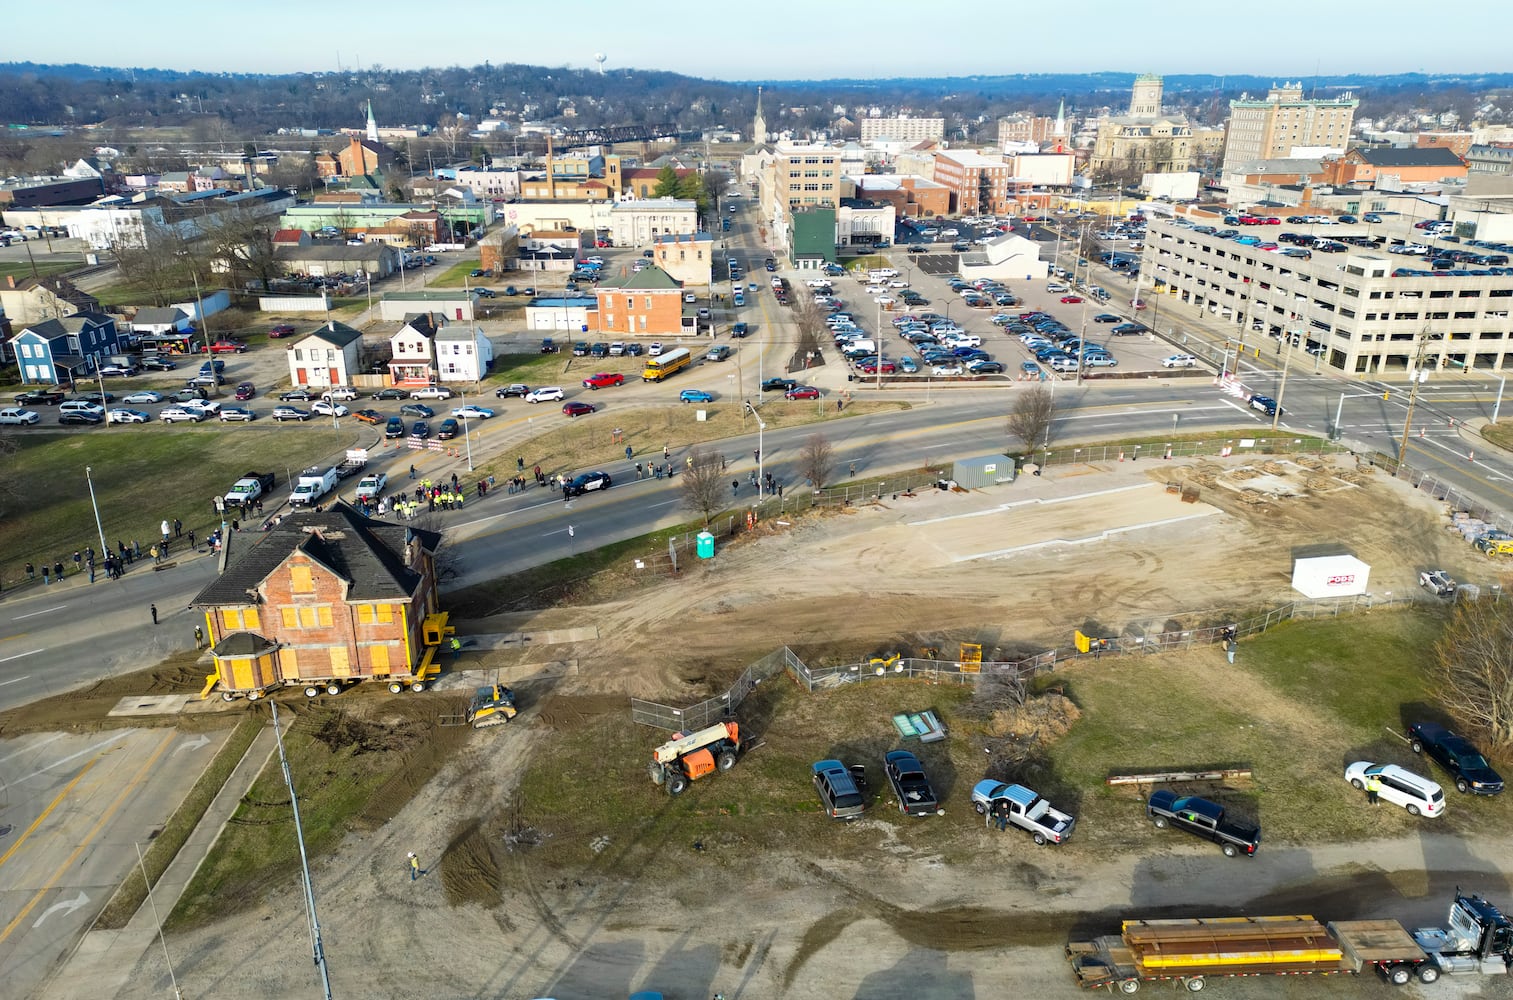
(365, 614)
(300, 580)
(291, 617)
(288, 664)
(378, 657)
(340, 665)
(251, 620)
(242, 677)
(230, 620)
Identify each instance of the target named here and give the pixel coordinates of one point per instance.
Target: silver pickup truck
(1025, 809)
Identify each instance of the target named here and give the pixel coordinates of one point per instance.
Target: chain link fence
(813, 679)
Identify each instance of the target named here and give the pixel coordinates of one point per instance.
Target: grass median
(140, 476)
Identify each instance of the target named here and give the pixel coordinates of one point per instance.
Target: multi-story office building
(903, 127)
(1271, 128)
(1370, 311)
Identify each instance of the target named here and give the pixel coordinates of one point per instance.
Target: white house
(1010, 257)
(463, 353)
(329, 356)
(414, 361)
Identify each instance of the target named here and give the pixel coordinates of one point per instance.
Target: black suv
(1457, 755)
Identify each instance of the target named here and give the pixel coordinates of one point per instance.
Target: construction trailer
(1476, 940)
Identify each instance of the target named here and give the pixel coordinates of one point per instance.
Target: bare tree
(155, 263)
(243, 247)
(817, 460)
(703, 483)
(810, 320)
(1472, 668)
(1030, 417)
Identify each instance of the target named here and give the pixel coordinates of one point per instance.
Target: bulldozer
(491, 706)
(690, 756)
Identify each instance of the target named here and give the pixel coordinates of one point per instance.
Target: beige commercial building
(1271, 128)
(1362, 306)
(1144, 141)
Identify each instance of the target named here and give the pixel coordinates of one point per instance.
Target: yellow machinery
(491, 706)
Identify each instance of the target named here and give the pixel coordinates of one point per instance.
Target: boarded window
(291, 617)
(340, 667)
(378, 658)
(230, 619)
(365, 614)
(306, 617)
(251, 619)
(288, 663)
(300, 581)
(386, 613)
(324, 614)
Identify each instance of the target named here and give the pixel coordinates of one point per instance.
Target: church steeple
(372, 124)
(759, 123)
(1059, 131)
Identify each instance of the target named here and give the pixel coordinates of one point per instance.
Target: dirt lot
(858, 911)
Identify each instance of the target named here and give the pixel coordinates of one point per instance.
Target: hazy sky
(776, 39)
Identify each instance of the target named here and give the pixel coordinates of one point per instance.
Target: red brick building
(324, 597)
(647, 303)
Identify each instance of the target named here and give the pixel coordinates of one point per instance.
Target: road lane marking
(16, 680)
(126, 792)
(35, 746)
(33, 614)
(71, 757)
(57, 800)
(18, 656)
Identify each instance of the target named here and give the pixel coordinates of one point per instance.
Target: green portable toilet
(705, 548)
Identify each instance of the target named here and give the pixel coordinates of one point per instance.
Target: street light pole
(98, 526)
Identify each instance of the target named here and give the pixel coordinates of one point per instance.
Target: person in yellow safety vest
(456, 648)
(1373, 786)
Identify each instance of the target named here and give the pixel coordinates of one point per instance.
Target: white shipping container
(1330, 576)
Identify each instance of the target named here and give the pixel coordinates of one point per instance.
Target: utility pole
(1282, 388)
(1414, 378)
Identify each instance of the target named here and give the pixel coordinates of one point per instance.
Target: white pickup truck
(1025, 809)
(372, 487)
(312, 485)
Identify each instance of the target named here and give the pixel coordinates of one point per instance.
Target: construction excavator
(491, 706)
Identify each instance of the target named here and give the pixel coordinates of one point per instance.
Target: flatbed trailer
(1188, 951)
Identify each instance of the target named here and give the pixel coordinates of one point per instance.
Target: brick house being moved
(324, 599)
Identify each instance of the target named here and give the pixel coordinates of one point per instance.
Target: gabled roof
(457, 331)
(333, 333)
(288, 236)
(1428, 156)
(155, 316)
(50, 329)
(422, 323)
(367, 554)
(647, 279)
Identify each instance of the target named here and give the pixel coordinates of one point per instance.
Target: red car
(577, 409)
(603, 379)
(802, 392)
(282, 330)
(245, 391)
(224, 347)
(870, 368)
(1071, 299)
(370, 416)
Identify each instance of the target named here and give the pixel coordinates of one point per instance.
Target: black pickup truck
(1205, 819)
(906, 774)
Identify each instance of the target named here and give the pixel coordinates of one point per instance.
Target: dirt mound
(1042, 720)
(469, 873)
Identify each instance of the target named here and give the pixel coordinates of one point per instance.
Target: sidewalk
(104, 960)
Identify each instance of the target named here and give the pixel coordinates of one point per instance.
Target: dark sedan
(778, 384)
(448, 429)
(416, 410)
(296, 396)
(420, 429)
(391, 393)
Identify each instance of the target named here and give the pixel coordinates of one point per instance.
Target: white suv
(1179, 361)
(545, 394)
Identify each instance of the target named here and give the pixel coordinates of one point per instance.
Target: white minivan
(1057, 287)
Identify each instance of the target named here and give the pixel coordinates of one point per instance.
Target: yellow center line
(50, 807)
(105, 818)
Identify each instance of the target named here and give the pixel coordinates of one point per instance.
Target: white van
(859, 348)
(1058, 287)
(82, 406)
